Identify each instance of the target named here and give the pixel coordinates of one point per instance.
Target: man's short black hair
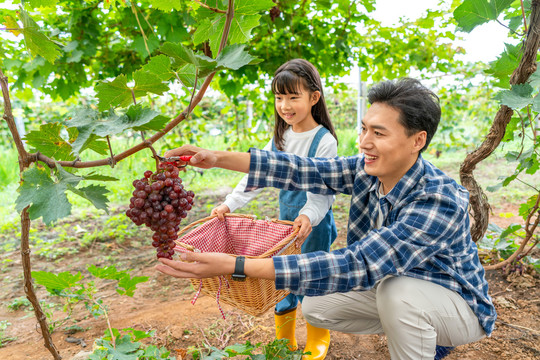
(418, 106)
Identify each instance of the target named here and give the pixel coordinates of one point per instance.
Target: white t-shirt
(316, 206)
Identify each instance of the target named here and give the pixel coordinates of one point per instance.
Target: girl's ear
(315, 96)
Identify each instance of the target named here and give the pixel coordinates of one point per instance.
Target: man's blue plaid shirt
(425, 233)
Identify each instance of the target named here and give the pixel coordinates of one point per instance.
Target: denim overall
(321, 236)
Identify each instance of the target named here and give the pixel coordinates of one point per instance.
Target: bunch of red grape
(160, 202)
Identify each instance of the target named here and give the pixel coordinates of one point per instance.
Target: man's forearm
(236, 161)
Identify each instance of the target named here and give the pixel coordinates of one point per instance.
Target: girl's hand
(302, 222)
(220, 210)
(201, 158)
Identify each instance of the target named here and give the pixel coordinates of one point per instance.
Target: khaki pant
(416, 315)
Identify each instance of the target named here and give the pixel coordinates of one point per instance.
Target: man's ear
(315, 96)
(420, 139)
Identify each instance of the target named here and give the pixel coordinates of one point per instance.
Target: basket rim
(276, 248)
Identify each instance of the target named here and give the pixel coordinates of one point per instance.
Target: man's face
(388, 152)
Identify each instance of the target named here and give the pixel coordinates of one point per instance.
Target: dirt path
(163, 304)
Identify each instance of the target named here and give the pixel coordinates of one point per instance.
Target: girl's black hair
(289, 78)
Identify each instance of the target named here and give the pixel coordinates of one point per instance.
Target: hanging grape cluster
(160, 202)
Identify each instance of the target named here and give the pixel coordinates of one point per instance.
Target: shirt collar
(405, 184)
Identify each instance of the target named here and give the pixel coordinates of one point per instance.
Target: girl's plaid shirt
(425, 233)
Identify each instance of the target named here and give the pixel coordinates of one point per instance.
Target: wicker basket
(240, 235)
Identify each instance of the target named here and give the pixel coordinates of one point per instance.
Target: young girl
(302, 127)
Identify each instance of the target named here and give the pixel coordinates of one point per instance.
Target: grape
(160, 202)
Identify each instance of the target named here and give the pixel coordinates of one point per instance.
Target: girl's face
(295, 109)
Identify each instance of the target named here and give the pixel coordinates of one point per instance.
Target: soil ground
(164, 304)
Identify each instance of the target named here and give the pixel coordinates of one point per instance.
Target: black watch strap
(239, 274)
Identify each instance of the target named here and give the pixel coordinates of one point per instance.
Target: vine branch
(479, 206)
(25, 160)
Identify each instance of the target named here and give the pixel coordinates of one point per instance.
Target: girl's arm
(317, 206)
(239, 197)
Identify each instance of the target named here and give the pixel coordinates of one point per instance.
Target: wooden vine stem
(25, 224)
(479, 206)
(26, 159)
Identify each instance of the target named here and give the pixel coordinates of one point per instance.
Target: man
(410, 269)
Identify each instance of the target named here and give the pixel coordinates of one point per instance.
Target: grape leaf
(114, 93)
(472, 13)
(93, 193)
(146, 82)
(99, 177)
(179, 53)
(503, 67)
(36, 42)
(250, 7)
(517, 98)
(87, 122)
(166, 5)
(234, 57)
(150, 119)
(160, 66)
(45, 197)
(186, 75)
(11, 23)
(42, 3)
(62, 281)
(534, 79)
(241, 28)
(127, 285)
(47, 140)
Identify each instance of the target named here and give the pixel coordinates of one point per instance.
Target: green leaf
(150, 119)
(87, 123)
(179, 53)
(66, 176)
(250, 7)
(472, 13)
(166, 5)
(128, 284)
(234, 57)
(99, 177)
(504, 66)
(241, 28)
(525, 208)
(534, 79)
(107, 272)
(45, 197)
(114, 93)
(42, 3)
(93, 193)
(187, 74)
(146, 82)
(62, 281)
(36, 42)
(125, 349)
(510, 230)
(160, 66)
(536, 103)
(47, 140)
(517, 98)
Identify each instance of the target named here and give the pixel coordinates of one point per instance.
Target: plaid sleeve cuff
(258, 168)
(286, 275)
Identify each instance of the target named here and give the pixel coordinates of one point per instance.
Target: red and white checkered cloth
(238, 236)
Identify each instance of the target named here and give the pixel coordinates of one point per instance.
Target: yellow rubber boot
(286, 327)
(317, 343)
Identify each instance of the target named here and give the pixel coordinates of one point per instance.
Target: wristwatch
(239, 269)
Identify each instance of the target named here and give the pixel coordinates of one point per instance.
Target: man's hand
(220, 211)
(205, 265)
(304, 224)
(198, 265)
(205, 159)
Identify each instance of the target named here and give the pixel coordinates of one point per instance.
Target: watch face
(238, 277)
